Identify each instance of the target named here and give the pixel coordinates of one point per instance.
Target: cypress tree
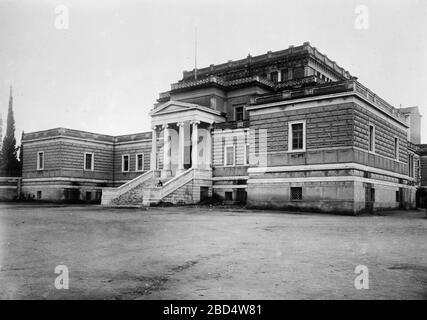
(10, 163)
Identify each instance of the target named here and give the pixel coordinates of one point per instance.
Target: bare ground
(208, 253)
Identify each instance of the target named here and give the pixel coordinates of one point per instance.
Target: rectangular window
(89, 161)
(286, 74)
(39, 195)
(40, 160)
(247, 151)
(296, 193)
(396, 148)
(297, 136)
(239, 113)
(88, 196)
(228, 196)
(139, 165)
(229, 155)
(417, 175)
(411, 165)
(125, 163)
(372, 138)
(274, 76)
(397, 196)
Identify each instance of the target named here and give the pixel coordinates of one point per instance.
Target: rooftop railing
(220, 81)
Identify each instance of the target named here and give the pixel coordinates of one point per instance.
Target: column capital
(196, 122)
(154, 128)
(165, 126)
(180, 124)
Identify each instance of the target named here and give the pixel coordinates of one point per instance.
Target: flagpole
(195, 52)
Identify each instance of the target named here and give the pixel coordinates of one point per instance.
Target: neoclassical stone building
(289, 129)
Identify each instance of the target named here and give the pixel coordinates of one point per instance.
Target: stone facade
(288, 130)
(63, 176)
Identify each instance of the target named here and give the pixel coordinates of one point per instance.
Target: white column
(208, 148)
(166, 172)
(153, 159)
(180, 147)
(195, 149)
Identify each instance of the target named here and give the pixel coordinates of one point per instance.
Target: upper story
(229, 87)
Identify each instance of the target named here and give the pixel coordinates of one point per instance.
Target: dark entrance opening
(241, 196)
(369, 198)
(72, 195)
(204, 193)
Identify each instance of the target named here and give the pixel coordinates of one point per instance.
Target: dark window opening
(296, 193)
(139, 162)
(411, 165)
(125, 163)
(88, 161)
(371, 138)
(397, 196)
(39, 195)
(396, 148)
(274, 76)
(239, 113)
(88, 196)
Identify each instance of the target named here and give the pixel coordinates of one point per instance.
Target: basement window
(296, 193)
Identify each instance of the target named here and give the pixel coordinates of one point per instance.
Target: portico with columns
(181, 137)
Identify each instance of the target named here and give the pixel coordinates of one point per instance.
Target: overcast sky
(105, 71)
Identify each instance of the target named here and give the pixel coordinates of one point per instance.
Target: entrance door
(369, 198)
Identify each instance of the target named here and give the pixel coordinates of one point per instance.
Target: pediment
(178, 106)
(173, 106)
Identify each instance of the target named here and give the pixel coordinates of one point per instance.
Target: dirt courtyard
(208, 253)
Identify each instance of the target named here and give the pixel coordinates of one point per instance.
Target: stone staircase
(130, 193)
(185, 188)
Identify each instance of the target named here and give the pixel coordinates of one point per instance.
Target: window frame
(40, 167)
(290, 136)
(371, 137)
(396, 148)
(226, 157)
(247, 151)
(411, 166)
(290, 194)
(136, 162)
(92, 164)
(235, 112)
(123, 162)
